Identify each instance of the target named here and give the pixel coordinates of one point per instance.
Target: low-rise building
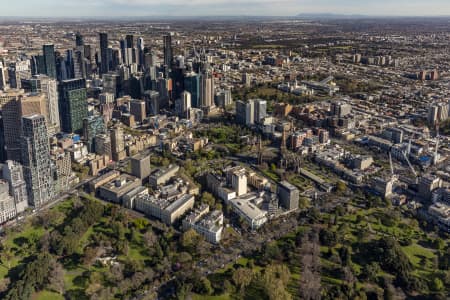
(246, 208)
(208, 224)
(163, 209)
(115, 189)
(163, 175)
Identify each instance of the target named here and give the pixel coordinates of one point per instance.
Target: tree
(150, 238)
(205, 287)
(436, 284)
(208, 198)
(56, 278)
(140, 223)
(371, 271)
(327, 237)
(341, 187)
(189, 240)
(242, 277)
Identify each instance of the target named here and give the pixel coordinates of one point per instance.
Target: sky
(104, 8)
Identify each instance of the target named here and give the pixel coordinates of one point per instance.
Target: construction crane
(411, 167)
(435, 156)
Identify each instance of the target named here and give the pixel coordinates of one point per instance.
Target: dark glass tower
(49, 60)
(72, 105)
(104, 65)
(79, 40)
(192, 85)
(168, 55)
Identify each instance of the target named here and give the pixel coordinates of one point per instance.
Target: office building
(137, 109)
(151, 99)
(168, 211)
(92, 126)
(2, 77)
(72, 105)
(192, 85)
(208, 224)
(113, 191)
(223, 98)
(340, 109)
(163, 175)
(13, 173)
(62, 170)
(288, 195)
(260, 109)
(104, 63)
(7, 207)
(140, 166)
(36, 160)
(47, 86)
(49, 60)
(117, 144)
(438, 112)
(103, 145)
(246, 208)
(183, 104)
(17, 104)
(168, 54)
(428, 184)
(237, 178)
(17, 71)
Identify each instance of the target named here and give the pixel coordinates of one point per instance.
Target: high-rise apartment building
(206, 90)
(36, 160)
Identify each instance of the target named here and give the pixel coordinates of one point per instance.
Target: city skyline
(151, 8)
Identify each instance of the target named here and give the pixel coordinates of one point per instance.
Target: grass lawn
(46, 295)
(69, 277)
(415, 253)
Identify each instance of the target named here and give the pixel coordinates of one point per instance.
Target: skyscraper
(140, 51)
(183, 104)
(104, 64)
(137, 109)
(49, 60)
(206, 90)
(130, 41)
(16, 104)
(36, 160)
(117, 143)
(192, 85)
(17, 71)
(72, 104)
(168, 54)
(2, 77)
(47, 86)
(79, 40)
(11, 123)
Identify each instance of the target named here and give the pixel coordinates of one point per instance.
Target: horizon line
(298, 16)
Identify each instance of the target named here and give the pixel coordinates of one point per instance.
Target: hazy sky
(76, 8)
